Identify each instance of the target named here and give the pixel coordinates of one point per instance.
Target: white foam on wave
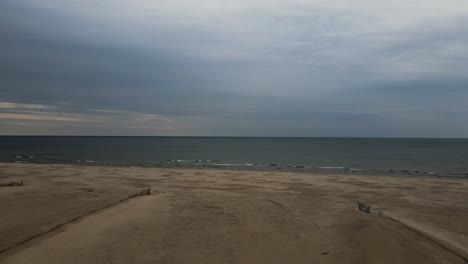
(299, 166)
(190, 161)
(179, 161)
(204, 161)
(232, 164)
(24, 157)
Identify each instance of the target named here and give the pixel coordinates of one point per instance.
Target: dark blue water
(438, 157)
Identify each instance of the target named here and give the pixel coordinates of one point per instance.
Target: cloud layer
(257, 68)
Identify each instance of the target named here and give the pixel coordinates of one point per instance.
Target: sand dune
(213, 216)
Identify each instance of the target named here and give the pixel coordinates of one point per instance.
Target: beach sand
(75, 214)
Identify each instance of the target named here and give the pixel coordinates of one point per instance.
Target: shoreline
(320, 207)
(302, 169)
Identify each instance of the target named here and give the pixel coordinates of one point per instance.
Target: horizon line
(291, 137)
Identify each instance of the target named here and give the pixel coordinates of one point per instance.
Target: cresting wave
(212, 163)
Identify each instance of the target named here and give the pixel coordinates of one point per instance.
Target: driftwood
(142, 193)
(146, 192)
(364, 207)
(11, 184)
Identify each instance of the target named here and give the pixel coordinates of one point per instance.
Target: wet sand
(213, 216)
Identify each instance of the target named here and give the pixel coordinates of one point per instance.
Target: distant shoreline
(251, 169)
(265, 168)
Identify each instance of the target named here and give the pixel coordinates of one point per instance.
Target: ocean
(376, 156)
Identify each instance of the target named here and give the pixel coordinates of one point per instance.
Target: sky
(295, 68)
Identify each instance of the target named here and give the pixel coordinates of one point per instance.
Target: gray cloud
(281, 68)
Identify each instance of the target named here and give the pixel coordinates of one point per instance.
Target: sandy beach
(79, 214)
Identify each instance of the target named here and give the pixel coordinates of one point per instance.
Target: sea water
(393, 156)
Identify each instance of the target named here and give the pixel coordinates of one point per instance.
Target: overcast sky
(234, 68)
